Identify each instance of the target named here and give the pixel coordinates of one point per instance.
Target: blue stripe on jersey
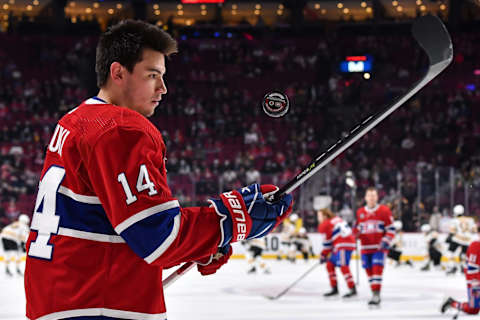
(82, 216)
(381, 226)
(146, 235)
(335, 232)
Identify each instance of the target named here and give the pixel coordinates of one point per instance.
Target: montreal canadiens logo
(275, 104)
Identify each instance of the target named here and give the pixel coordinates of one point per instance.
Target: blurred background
(338, 61)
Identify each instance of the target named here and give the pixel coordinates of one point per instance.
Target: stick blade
(433, 37)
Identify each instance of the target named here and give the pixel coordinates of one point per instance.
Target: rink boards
(414, 246)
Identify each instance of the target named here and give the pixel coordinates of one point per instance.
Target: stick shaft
(177, 274)
(296, 281)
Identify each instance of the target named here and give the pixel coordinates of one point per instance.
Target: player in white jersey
(289, 227)
(301, 243)
(255, 261)
(433, 247)
(395, 251)
(13, 238)
(463, 231)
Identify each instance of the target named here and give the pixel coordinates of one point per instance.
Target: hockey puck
(275, 104)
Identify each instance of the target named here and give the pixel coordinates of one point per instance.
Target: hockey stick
(357, 264)
(294, 283)
(177, 274)
(433, 37)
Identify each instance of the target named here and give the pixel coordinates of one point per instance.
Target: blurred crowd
(218, 137)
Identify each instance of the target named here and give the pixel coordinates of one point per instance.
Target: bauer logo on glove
(246, 214)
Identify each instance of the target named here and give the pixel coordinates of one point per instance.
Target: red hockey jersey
(472, 270)
(374, 226)
(338, 235)
(105, 222)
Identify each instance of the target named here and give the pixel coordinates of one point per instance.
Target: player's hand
(324, 256)
(210, 265)
(384, 246)
(246, 214)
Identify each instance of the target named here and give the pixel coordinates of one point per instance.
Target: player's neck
(107, 96)
(373, 208)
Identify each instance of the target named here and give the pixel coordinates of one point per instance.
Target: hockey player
(472, 273)
(255, 261)
(105, 223)
(301, 243)
(289, 227)
(433, 247)
(462, 230)
(14, 237)
(395, 251)
(375, 229)
(337, 250)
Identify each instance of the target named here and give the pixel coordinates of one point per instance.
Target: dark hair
(371, 189)
(124, 43)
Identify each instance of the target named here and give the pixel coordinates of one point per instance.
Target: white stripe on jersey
(91, 312)
(89, 235)
(167, 242)
(94, 101)
(78, 197)
(145, 214)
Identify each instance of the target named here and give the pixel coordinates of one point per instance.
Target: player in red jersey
(374, 227)
(472, 273)
(105, 223)
(338, 245)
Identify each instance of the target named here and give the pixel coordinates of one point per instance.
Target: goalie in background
(395, 251)
(255, 248)
(14, 237)
(338, 245)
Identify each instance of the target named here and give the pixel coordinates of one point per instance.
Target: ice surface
(233, 294)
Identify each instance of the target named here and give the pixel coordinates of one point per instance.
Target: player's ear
(116, 72)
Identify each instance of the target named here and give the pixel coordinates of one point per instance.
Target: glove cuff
(226, 225)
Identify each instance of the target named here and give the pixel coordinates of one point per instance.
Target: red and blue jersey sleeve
(127, 171)
(387, 218)
(472, 270)
(325, 228)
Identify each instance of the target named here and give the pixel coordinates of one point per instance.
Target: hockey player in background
(374, 227)
(255, 248)
(289, 227)
(433, 247)
(395, 251)
(301, 243)
(338, 245)
(105, 223)
(13, 238)
(462, 230)
(472, 274)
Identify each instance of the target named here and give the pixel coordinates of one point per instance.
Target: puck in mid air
(275, 104)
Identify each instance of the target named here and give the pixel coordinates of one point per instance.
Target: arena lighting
(476, 72)
(470, 87)
(203, 1)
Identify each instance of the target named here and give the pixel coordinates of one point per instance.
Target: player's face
(145, 86)
(371, 197)
(320, 217)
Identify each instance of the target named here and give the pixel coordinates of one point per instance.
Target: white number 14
(142, 176)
